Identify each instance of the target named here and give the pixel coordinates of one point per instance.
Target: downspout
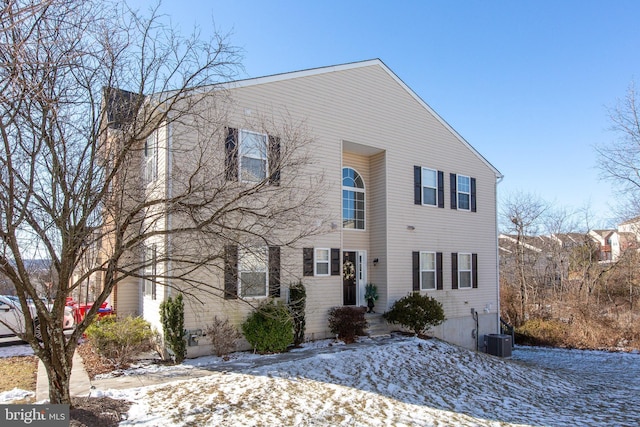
(167, 218)
(498, 181)
(474, 315)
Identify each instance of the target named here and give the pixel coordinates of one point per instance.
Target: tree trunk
(57, 358)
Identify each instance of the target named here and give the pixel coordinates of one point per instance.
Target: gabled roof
(352, 65)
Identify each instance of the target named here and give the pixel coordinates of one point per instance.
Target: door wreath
(348, 270)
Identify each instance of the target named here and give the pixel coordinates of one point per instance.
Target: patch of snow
(15, 394)
(400, 381)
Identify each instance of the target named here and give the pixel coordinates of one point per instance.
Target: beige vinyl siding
(127, 301)
(378, 228)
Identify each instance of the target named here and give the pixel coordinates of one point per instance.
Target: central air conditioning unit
(498, 345)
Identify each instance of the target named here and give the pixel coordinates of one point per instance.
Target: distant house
(412, 206)
(548, 257)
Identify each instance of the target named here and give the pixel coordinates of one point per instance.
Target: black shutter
(439, 270)
(454, 193)
(307, 261)
(274, 160)
(231, 158)
(335, 262)
(474, 269)
(274, 271)
(417, 185)
(454, 270)
(231, 272)
(473, 195)
(440, 189)
(416, 270)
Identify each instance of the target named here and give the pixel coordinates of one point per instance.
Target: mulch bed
(98, 411)
(93, 362)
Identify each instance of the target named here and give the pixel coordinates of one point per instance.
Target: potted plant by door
(371, 295)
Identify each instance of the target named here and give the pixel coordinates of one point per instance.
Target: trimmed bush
(172, 319)
(269, 329)
(223, 336)
(347, 322)
(416, 312)
(297, 303)
(120, 340)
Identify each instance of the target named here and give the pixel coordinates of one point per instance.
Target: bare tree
(74, 185)
(619, 160)
(522, 215)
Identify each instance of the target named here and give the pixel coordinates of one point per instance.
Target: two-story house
(408, 205)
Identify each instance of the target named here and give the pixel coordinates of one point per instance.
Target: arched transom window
(352, 199)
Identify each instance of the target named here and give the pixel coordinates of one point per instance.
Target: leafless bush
(223, 336)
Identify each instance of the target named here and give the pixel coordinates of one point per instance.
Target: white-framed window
(322, 262)
(150, 271)
(353, 199)
(465, 267)
(464, 192)
(428, 277)
(151, 157)
(253, 280)
(253, 156)
(429, 184)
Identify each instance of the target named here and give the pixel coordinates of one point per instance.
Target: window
(463, 192)
(427, 270)
(253, 156)
(429, 187)
(250, 156)
(151, 158)
(252, 272)
(322, 262)
(464, 271)
(352, 200)
(150, 258)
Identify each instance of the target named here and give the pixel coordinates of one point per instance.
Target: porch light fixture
(411, 227)
(375, 262)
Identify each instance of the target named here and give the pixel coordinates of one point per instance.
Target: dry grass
(18, 372)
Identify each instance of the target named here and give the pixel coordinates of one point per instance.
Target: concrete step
(377, 325)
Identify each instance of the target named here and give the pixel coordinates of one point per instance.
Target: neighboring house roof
(631, 221)
(352, 65)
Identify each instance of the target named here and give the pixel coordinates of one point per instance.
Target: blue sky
(527, 83)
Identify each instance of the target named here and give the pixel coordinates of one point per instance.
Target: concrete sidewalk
(80, 385)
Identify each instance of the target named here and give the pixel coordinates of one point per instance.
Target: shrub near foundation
(223, 336)
(297, 303)
(172, 319)
(416, 312)
(347, 322)
(269, 329)
(120, 340)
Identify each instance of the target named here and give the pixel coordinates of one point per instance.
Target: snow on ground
(398, 381)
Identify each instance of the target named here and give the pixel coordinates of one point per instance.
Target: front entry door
(349, 278)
